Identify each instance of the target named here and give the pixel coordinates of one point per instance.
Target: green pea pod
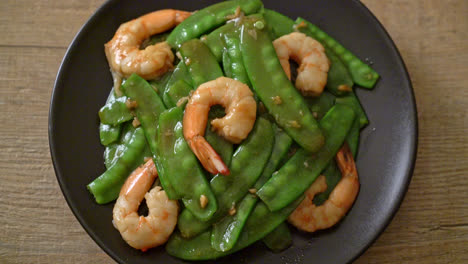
(260, 223)
(353, 137)
(187, 177)
(106, 187)
(246, 166)
(114, 151)
(176, 92)
(319, 106)
(107, 133)
(234, 62)
(280, 149)
(226, 232)
(111, 154)
(215, 40)
(180, 73)
(361, 73)
(279, 239)
(208, 18)
(274, 89)
(226, 60)
(279, 24)
(302, 169)
(200, 62)
(149, 107)
(339, 81)
(352, 101)
(115, 112)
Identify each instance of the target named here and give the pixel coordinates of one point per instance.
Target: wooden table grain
(36, 225)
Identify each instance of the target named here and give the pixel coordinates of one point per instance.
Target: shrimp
(123, 50)
(153, 230)
(309, 217)
(310, 55)
(240, 107)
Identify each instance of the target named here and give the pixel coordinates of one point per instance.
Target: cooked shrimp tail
(309, 217)
(142, 232)
(209, 158)
(349, 187)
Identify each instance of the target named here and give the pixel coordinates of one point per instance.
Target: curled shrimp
(123, 50)
(240, 107)
(310, 55)
(309, 217)
(153, 230)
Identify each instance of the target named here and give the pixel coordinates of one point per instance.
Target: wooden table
(38, 227)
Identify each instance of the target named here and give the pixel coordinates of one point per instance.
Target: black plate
(385, 160)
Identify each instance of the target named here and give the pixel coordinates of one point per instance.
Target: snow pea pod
(361, 73)
(226, 61)
(149, 107)
(114, 151)
(246, 166)
(234, 66)
(106, 187)
(107, 133)
(187, 177)
(352, 101)
(200, 62)
(115, 112)
(180, 73)
(303, 168)
(279, 24)
(208, 18)
(226, 232)
(339, 81)
(280, 149)
(274, 89)
(215, 41)
(320, 105)
(176, 92)
(353, 137)
(279, 239)
(261, 222)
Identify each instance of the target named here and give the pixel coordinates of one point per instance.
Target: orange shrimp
(123, 50)
(240, 107)
(153, 230)
(310, 55)
(309, 217)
